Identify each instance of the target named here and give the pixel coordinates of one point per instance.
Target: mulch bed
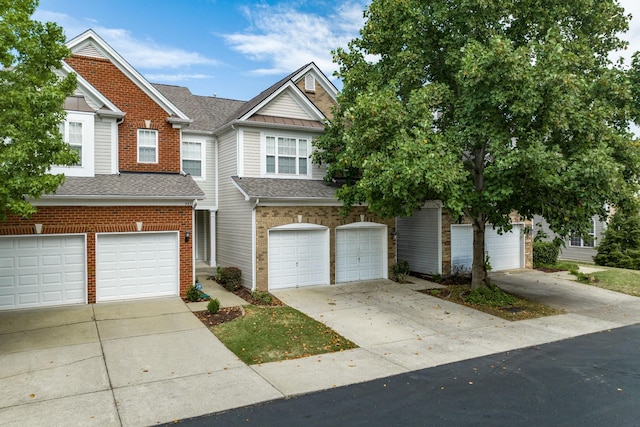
(227, 314)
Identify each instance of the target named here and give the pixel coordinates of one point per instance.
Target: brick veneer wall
(268, 217)
(447, 220)
(127, 96)
(320, 98)
(109, 219)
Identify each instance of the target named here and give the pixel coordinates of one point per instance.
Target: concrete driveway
(131, 364)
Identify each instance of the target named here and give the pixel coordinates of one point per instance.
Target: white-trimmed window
(286, 155)
(78, 131)
(192, 158)
(578, 242)
(147, 146)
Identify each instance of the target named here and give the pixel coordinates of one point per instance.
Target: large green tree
(31, 106)
(489, 106)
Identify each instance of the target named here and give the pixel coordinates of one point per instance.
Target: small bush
(490, 295)
(400, 271)
(193, 293)
(213, 306)
(265, 297)
(545, 253)
(230, 278)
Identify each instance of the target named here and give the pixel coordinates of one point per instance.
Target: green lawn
(268, 334)
(614, 279)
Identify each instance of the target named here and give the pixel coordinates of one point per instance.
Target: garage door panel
(136, 265)
(360, 254)
(297, 258)
(42, 270)
(504, 250)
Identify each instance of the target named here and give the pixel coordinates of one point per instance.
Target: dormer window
(309, 83)
(78, 131)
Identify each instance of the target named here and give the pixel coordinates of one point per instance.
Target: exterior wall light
(187, 235)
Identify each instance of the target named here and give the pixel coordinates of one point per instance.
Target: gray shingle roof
(278, 188)
(143, 185)
(207, 112)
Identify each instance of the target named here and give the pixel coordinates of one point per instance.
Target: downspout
(253, 246)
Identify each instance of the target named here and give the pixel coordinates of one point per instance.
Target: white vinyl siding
(192, 155)
(251, 153)
(103, 155)
(285, 106)
(233, 223)
(147, 146)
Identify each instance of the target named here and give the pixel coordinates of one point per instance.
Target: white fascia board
(89, 90)
(128, 70)
(326, 84)
(299, 202)
(237, 124)
(297, 94)
(116, 201)
(244, 194)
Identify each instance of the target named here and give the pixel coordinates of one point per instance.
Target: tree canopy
(31, 107)
(489, 106)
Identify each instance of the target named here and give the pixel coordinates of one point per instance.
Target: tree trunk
(478, 269)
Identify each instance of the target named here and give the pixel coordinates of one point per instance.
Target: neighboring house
(432, 242)
(274, 217)
(119, 227)
(575, 248)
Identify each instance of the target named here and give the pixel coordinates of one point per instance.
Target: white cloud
(141, 53)
(633, 35)
(286, 38)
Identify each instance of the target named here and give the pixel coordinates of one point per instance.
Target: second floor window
(72, 134)
(192, 158)
(286, 155)
(147, 146)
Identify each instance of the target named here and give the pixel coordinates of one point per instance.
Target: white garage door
(136, 265)
(505, 251)
(419, 238)
(37, 271)
(298, 258)
(360, 254)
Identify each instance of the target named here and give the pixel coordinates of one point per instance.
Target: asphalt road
(593, 380)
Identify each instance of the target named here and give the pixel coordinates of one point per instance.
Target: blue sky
(233, 49)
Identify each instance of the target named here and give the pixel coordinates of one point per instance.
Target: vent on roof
(89, 50)
(309, 83)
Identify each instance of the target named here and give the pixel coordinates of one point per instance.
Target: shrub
(193, 293)
(400, 271)
(620, 246)
(545, 253)
(213, 306)
(230, 278)
(265, 297)
(490, 295)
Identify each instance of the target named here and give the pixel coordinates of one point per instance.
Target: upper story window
(589, 242)
(147, 146)
(287, 155)
(192, 158)
(78, 131)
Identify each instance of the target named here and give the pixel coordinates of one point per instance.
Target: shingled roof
(207, 112)
(138, 185)
(278, 188)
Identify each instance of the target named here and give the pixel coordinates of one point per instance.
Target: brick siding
(90, 220)
(268, 217)
(139, 107)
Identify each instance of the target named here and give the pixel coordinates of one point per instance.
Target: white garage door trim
(361, 252)
(42, 270)
(506, 251)
(298, 256)
(137, 265)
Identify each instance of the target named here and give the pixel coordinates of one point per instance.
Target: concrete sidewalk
(148, 362)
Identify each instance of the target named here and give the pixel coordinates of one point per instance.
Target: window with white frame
(72, 134)
(147, 146)
(192, 158)
(287, 155)
(589, 242)
(77, 130)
